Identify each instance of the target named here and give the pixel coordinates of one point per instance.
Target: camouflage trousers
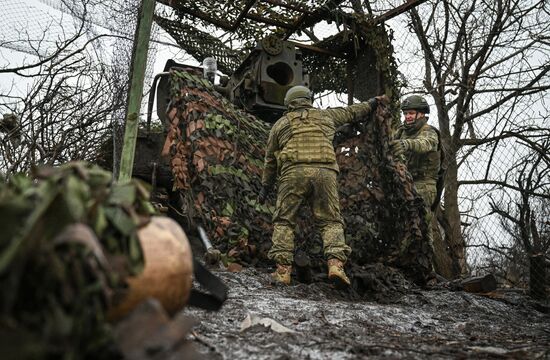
(317, 188)
(427, 191)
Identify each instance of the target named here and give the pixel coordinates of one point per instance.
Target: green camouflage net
(67, 243)
(200, 44)
(243, 22)
(361, 52)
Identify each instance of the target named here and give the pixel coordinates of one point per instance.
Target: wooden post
(137, 75)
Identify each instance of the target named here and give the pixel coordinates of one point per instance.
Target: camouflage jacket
(422, 155)
(303, 136)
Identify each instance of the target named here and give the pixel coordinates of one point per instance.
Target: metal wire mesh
(33, 30)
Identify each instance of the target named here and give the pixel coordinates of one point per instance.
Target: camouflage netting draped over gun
(216, 155)
(68, 241)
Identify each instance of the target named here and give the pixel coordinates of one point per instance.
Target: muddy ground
(329, 324)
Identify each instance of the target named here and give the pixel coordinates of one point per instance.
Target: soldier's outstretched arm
(426, 141)
(353, 113)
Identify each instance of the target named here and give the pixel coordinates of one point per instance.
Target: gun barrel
(204, 238)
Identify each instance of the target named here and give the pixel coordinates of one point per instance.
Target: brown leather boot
(282, 274)
(336, 273)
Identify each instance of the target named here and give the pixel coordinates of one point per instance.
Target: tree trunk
(453, 236)
(537, 276)
(443, 262)
(453, 246)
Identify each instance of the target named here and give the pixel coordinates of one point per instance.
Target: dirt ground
(320, 322)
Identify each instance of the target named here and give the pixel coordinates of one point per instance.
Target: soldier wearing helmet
(301, 159)
(417, 143)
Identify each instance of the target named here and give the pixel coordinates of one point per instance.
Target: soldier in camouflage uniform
(300, 157)
(418, 143)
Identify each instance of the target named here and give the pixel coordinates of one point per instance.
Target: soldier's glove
(262, 197)
(373, 103)
(398, 148)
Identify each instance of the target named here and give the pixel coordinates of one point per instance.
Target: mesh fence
(502, 168)
(34, 32)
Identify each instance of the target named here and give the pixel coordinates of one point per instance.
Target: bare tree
(526, 219)
(485, 61)
(65, 112)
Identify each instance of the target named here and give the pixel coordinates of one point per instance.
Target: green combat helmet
(416, 102)
(297, 92)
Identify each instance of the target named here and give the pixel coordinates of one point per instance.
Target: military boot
(336, 273)
(282, 274)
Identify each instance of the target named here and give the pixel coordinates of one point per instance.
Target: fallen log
(479, 284)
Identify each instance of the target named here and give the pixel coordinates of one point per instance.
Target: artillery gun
(258, 86)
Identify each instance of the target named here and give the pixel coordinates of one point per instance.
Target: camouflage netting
(384, 214)
(68, 241)
(216, 155)
(201, 44)
(358, 60)
(238, 22)
(368, 68)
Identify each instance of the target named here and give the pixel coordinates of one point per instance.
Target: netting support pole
(137, 76)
